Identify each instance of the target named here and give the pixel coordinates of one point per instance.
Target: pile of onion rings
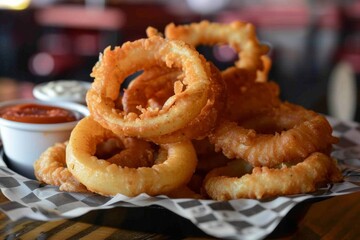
(185, 129)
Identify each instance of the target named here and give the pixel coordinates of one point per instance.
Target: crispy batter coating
(117, 64)
(153, 87)
(233, 182)
(246, 97)
(51, 169)
(295, 133)
(241, 36)
(106, 178)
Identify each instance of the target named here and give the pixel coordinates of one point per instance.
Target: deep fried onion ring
(109, 179)
(233, 182)
(51, 169)
(115, 65)
(154, 86)
(241, 36)
(298, 132)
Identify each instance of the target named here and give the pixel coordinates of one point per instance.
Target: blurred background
(315, 45)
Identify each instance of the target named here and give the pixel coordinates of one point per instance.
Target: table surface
(332, 218)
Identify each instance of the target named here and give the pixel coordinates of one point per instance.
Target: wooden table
(333, 218)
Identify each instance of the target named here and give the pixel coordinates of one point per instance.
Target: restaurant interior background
(315, 45)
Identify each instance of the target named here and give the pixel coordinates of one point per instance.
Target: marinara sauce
(36, 113)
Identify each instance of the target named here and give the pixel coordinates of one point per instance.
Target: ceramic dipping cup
(23, 143)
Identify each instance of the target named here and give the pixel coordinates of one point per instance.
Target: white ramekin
(24, 142)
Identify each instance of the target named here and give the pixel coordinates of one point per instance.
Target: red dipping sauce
(36, 113)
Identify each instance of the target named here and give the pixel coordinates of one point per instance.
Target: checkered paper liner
(236, 219)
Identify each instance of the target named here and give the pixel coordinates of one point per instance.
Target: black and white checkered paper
(236, 219)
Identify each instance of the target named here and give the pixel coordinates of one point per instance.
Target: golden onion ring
(154, 86)
(241, 36)
(105, 178)
(51, 169)
(234, 181)
(51, 166)
(295, 132)
(115, 65)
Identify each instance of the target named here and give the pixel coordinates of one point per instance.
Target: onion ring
(154, 86)
(109, 179)
(178, 110)
(302, 132)
(51, 169)
(224, 184)
(241, 36)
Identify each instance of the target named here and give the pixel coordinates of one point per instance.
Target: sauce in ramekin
(37, 113)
